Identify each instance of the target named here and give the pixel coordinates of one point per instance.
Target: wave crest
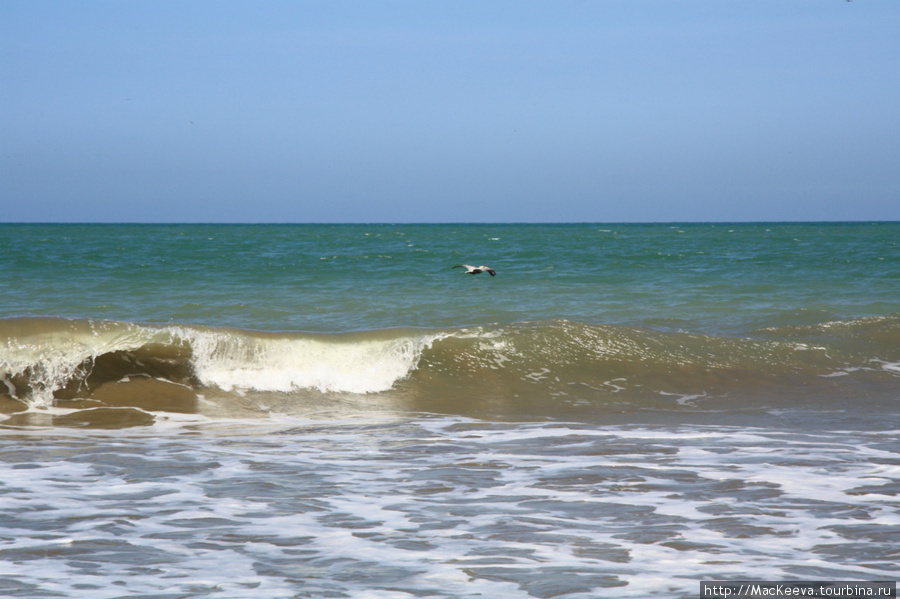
(521, 370)
(350, 363)
(47, 359)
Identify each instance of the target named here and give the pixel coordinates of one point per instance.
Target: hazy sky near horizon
(451, 111)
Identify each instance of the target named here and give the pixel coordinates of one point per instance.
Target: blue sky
(449, 111)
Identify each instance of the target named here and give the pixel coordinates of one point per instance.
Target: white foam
(444, 507)
(51, 358)
(232, 361)
(684, 400)
(892, 367)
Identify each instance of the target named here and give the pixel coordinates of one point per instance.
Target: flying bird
(474, 270)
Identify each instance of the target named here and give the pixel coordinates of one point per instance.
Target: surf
(542, 369)
(45, 360)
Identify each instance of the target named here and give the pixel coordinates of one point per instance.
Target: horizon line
(438, 223)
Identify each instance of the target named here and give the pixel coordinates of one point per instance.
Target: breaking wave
(527, 369)
(47, 358)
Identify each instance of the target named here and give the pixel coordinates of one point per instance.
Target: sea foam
(284, 363)
(41, 357)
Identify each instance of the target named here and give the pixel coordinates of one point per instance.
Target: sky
(449, 111)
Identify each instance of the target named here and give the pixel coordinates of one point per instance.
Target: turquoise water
(736, 316)
(715, 278)
(335, 411)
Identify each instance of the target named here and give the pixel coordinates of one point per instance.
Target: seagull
(474, 270)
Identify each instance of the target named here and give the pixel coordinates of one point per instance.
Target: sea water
(337, 411)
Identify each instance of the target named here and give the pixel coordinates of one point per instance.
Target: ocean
(624, 410)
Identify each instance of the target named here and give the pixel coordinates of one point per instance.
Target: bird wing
(492, 272)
